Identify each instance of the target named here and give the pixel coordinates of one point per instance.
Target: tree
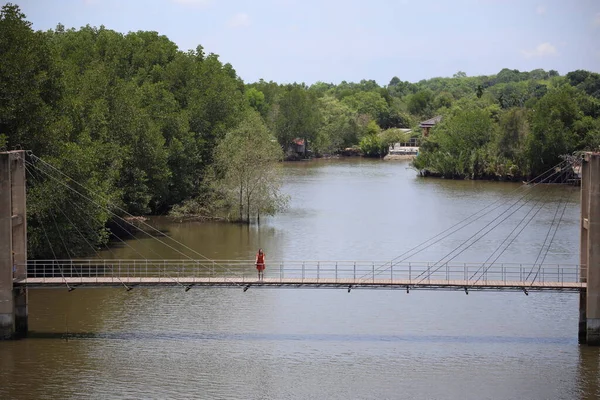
(296, 116)
(457, 146)
(246, 169)
(512, 136)
(256, 100)
(337, 128)
(372, 145)
(552, 129)
(421, 103)
(368, 103)
(30, 87)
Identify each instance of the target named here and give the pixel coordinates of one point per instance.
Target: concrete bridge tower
(589, 299)
(13, 244)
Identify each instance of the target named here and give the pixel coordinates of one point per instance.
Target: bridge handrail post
(447, 272)
(560, 276)
(428, 272)
(354, 271)
(318, 270)
(520, 272)
(391, 271)
(336, 271)
(303, 268)
(373, 272)
(281, 271)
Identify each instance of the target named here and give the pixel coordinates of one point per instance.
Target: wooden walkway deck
(252, 282)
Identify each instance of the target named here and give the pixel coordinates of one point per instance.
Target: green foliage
(297, 115)
(128, 115)
(338, 128)
(372, 144)
(256, 100)
(368, 103)
(552, 129)
(246, 171)
(457, 148)
(421, 103)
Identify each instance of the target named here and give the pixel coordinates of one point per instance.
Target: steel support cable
(77, 229)
(54, 254)
(104, 208)
(225, 269)
(549, 244)
(132, 235)
(105, 245)
(54, 220)
(124, 211)
(174, 239)
(511, 241)
(87, 213)
(430, 272)
(485, 269)
(545, 239)
(112, 269)
(127, 213)
(479, 231)
(410, 253)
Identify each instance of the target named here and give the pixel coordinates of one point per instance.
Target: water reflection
(588, 373)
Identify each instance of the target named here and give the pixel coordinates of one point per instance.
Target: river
(218, 343)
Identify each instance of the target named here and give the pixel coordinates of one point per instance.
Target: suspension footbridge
(195, 270)
(188, 274)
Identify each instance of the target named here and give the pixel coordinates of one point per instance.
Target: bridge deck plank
(282, 282)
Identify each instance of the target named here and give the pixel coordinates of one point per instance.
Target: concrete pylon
(13, 244)
(589, 299)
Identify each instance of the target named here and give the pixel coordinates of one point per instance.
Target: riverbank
(399, 157)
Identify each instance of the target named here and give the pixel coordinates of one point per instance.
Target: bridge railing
(343, 271)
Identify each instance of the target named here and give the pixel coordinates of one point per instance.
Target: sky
(349, 40)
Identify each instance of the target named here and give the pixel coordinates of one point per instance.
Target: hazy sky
(335, 40)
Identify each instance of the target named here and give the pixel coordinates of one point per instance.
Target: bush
(373, 146)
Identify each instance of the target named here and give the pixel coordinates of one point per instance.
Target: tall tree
(296, 116)
(246, 169)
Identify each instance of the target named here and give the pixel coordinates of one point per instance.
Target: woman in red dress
(260, 264)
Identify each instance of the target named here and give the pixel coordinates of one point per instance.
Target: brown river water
(223, 343)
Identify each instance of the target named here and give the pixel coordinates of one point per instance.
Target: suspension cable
(485, 269)
(511, 241)
(407, 254)
(549, 243)
(476, 233)
(124, 211)
(122, 219)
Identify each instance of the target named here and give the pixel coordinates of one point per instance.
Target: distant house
(430, 123)
(298, 146)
